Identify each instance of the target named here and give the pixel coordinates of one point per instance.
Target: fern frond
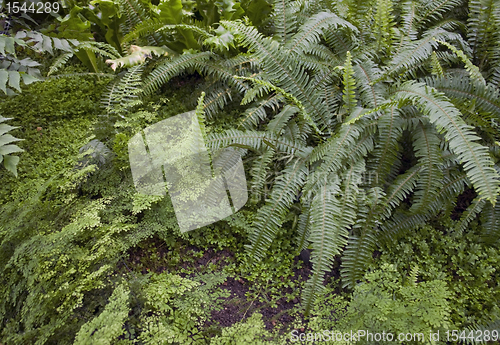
(437, 70)
(415, 52)
(216, 101)
(399, 225)
(304, 227)
(399, 189)
(469, 66)
(269, 218)
(371, 94)
(332, 153)
(171, 68)
(252, 116)
(349, 83)
(134, 12)
(362, 242)
(432, 10)
(324, 236)
(487, 97)
(284, 19)
(259, 172)
(59, 62)
(387, 150)
(383, 25)
(283, 71)
(123, 91)
(426, 146)
(103, 49)
(483, 30)
(269, 86)
(142, 29)
(490, 221)
(254, 140)
(280, 120)
(468, 215)
(311, 31)
(462, 140)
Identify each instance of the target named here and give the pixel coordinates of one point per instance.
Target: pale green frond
(109, 325)
(437, 70)
(469, 66)
(349, 83)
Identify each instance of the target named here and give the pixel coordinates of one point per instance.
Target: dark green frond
(259, 172)
(490, 220)
(462, 140)
(282, 71)
(253, 140)
(284, 19)
(433, 10)
(487, 97)
(252, 116)
(366, 73)
(426, 146)
(170, 68)
(362, 242)
(311, 31)
(468, 215)
(387, 150)
(280, 120)
(269, 218)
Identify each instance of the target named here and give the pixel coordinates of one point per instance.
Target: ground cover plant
(369, 132)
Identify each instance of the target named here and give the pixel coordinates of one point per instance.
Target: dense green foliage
(362, 125)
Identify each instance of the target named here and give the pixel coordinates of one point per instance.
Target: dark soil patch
(464, 200)
(153, 256)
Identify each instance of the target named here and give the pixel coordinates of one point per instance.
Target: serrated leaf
(47, 45)
(28, 79)
(4, 128)
(7, 139)
(8, 149)
(4, 76)
(14, 78)
(9, 46)
(2, 45)
(10, 163)
(29, 63)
